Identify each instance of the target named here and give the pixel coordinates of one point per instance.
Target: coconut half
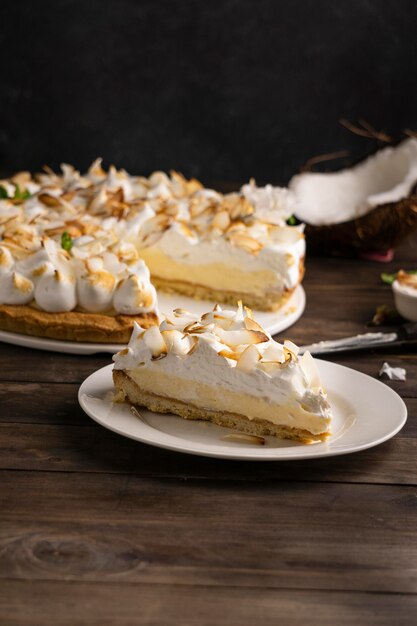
(368, 207)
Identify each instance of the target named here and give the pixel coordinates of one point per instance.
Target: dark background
(221, 90)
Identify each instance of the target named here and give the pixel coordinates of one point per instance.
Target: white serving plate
(366, 412)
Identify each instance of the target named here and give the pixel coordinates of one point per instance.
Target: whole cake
(224, 368)
(80, 256)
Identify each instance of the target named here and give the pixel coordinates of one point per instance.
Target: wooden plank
(292, 535)
(43, 403)
(51, 403)
(73, 603)
(19, 364)
(157, 552)
(94, 449)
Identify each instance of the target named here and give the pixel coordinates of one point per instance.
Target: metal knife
(405, 335)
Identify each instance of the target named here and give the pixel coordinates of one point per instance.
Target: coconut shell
(377, 231)
(382, 227)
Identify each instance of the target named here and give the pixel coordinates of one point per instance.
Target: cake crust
(72, 325)
(128, 390)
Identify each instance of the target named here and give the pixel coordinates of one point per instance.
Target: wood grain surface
(98, 529)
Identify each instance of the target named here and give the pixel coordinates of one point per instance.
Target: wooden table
(97, 529)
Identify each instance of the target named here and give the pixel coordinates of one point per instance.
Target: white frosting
(226, 350)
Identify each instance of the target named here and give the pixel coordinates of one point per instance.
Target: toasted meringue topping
(6, 260)
(15, 289)
(134, 296)
(95, 291)
(56, 292)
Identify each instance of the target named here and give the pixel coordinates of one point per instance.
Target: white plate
(365, 413)
(274, 322)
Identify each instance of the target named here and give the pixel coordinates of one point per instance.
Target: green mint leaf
(66, 241)
(291, 221)
(3, 193)
(388, 278)
(20, 195)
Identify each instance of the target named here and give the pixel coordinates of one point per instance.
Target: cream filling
(206, 397)
(214, 275)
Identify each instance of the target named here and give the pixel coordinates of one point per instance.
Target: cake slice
(224, 368)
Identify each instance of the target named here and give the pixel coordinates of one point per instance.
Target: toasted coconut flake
(246, 242)
(196, 328)
(289, 345)
(166, 325)
(158, 223)
(245, 438)
(193, 325)
(194, 346)
(236, 205)
(48, 200)
(155, 342)
(274, 353)
(188, 232)
(248, 312)
(229, 354)
(241, 337)
(310, 370)
(248, 359)
(182, 313)
(250, 324)
(221, 221)
(236, 227)
(173, 341)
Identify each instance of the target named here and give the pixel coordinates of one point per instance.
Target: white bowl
(405, 301)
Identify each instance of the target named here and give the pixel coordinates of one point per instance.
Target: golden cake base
(72, 325)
